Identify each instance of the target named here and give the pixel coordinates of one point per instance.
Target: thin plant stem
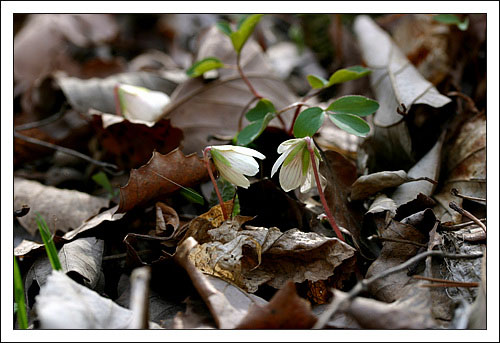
(320, 191)
(469, 215)
(245, 79)
(209, 169)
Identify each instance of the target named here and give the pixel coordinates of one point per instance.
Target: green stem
(209, 169)
(320, 191)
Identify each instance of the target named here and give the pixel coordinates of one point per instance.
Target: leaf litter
(276, 263)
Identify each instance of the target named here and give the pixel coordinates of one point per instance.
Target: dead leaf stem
(396, 240)
(209, 169)
(469, 215)
(459, 226)
(455, 192)
(362, 286)
(139, 298)
(43, 122)
(109, 167)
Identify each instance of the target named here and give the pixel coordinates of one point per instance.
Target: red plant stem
(320, 191)
(209, 169)
(297, 111)
(243, 76)
(118, 107)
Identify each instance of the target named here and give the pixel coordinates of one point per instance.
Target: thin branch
(459, 226)
(469, 215)
(444, 282)
(245, 79)
(397, 240)
(139, 298)
(363, 285)
(109, 167)
(455, 192)
(43, 122)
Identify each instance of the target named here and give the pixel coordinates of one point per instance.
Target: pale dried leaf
(62, 209)
(65, 304)
(367, 185)
(82, 257)
(394, 79)
(108, 215)
(25, 247)
(428, 166)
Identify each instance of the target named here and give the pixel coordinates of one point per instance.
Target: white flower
(233, 162)
(297, 169)
(139, 104)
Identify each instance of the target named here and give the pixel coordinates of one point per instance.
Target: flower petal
(291, 175)
(232, 176)
(286, 144)
(278, 163)
(241, 163)
(240, 150)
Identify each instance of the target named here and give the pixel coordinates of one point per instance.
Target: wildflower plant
(300, 157)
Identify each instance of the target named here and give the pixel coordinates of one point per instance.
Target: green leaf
(263, 107)
(191, 195)
(350, 123)
(348, 74)
(452, 19)
(50, 247)
(254, 130)
(308, 122)
(203, 66)
(316, 82)
(22, 318)
(354, 104)
(224, 27)
(240, 37)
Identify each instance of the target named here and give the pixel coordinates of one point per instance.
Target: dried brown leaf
(286, 310)
(62, 209)
(367, 185)
(108, 215)
(160, 177)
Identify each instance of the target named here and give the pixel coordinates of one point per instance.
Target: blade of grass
(22, 318)
(50, 247)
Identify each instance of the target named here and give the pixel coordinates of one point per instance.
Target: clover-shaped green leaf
(354, 104)
(316, 82)
(263, 107)
(348, 74)
(350, 123)
(308, 122)
(245, 29)
(203, 66)
(254, 130)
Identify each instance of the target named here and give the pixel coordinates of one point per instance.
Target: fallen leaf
(108, 215)
(286, 310)
(253, 256)
(477, 313)
(394, 81)
(62, 209)
(131, 143)
(202, 109)
(98, 94)
(429, 166)
(370, 184)
(167, 220)
(393, 286)
(26, 247)
(81, 260)
(41, 46)
(161, 176)
(65, 304)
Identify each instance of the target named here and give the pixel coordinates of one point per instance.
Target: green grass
(22, 318)
(50, 247)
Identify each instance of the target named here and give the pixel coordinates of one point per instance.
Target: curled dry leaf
(108, 215)
(26, 247)
(394, 81)
(161, 176)
(253, 256)
(203, 109)
(286, 310)
(65, 304)
(42, 44)
(62, 209)
(167, 220)
(80, 259)
(367, 185)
